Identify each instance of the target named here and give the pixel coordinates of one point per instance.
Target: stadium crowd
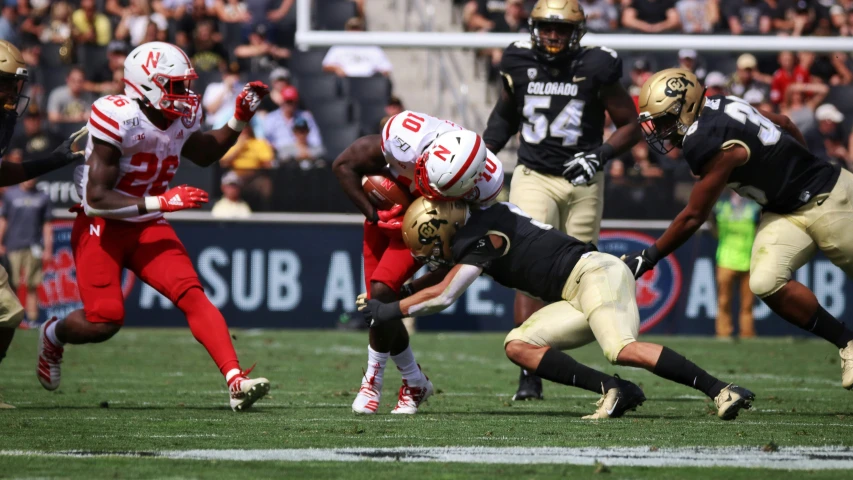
(323, 99)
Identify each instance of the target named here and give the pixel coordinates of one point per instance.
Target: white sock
(50, 333)
(408, 367)
(231, 374)
(375, 366)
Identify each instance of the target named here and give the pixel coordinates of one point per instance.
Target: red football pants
(153, 252)
(387, 260)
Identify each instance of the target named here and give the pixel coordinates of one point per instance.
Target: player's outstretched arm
(363, 157)
(704, 195)
(426, 302)
(15, 173)
(205, 149)
(503, 121)
(786, 124)
(100, 200)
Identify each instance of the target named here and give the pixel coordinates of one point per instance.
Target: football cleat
(5, 406)
(246, 391)
(411, 398)
(846, 354)
(618, 400)
(369, 395)
(529, 387)
(731, 399)
(50, 356)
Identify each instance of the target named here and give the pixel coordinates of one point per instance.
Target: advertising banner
(297, 275)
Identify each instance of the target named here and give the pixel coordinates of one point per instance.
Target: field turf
(147, 396)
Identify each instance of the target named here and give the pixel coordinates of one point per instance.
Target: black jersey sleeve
(481, 253)
(703, 140)
(606, 64)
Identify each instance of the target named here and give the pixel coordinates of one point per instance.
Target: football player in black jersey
(591, 295)
(13, 77)
(556, 93)
(807, 202)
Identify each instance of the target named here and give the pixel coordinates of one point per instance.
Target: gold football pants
(11, 310)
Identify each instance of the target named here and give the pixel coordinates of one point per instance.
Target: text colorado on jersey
(552, 88)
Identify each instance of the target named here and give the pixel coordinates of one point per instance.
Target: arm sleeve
(610, 66)
(503, 121)
(464, 277)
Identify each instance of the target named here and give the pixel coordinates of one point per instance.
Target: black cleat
(529, 387)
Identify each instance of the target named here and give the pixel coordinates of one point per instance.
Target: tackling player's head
(429, 226)
(450, 167)
(160, 75)
(13, 76)
(556, 27)
(669, 104)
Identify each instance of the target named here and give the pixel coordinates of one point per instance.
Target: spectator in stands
(109, 80)
(393, 107)
(90, 26)
(734, 223)
(134, 25)
(219, 97)
(206, 53)
(197, 11)
(232, 11)
(601, 15)
(698, 16)
(801, 101)
(356, 61)
(650, 16)
(839, 13)
(301, 150)
(278, 125)
(715, 84)
(476, 16)
(829, 140)
(279, 80)
(830, 68)
(54, 29)
(8, 20)
(231, 205)
(804, 18)
(788, 72)
(27, 239)
(640, 72)
(514, 19)
(261, 55)
(747, 77)
(70, 103)
(249, 157)
(748, 17)
(689, 59)
(116, 8)
(34, 141)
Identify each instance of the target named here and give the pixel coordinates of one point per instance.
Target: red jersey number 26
(143, 182)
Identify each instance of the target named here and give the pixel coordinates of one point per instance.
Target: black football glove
(643, 261)
(584, 165)
(64, 152)
(377, 313)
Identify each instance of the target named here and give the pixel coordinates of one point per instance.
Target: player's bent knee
(764, 283)
(382, 292)
(107, 310)
(612, 351)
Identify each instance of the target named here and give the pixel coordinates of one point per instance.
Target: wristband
(236, 125)
(152, 204)
(653, 254)
(605, 152)
(389, 311)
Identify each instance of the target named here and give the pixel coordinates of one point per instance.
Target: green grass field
(150, 395)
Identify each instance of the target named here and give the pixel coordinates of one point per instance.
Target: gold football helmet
(669, 104)
(13, 76)
(428, 227)
(556, 26)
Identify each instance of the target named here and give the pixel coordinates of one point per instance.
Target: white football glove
(580, 169)
(360, 301)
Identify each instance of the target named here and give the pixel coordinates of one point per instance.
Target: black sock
(673, 366)
(829, 328)
(561, 368)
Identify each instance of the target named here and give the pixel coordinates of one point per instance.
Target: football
(384, 191)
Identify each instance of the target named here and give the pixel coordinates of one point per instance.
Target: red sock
(209, 328)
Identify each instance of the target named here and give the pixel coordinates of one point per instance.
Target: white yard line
(786, 458)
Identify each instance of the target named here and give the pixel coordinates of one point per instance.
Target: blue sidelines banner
(289, 275)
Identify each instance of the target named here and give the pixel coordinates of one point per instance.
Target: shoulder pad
(112, 117)
(525, 44)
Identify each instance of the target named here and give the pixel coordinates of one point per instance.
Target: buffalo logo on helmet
(658, 290)
(676, 86)
(428, 231)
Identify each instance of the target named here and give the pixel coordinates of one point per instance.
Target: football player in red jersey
(136, 141)
(434, 158)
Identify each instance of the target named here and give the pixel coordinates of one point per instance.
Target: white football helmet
(451, 166)
(160, 74)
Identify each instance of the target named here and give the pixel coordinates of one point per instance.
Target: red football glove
(181, 198)
(391, 221)
(249, 100)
